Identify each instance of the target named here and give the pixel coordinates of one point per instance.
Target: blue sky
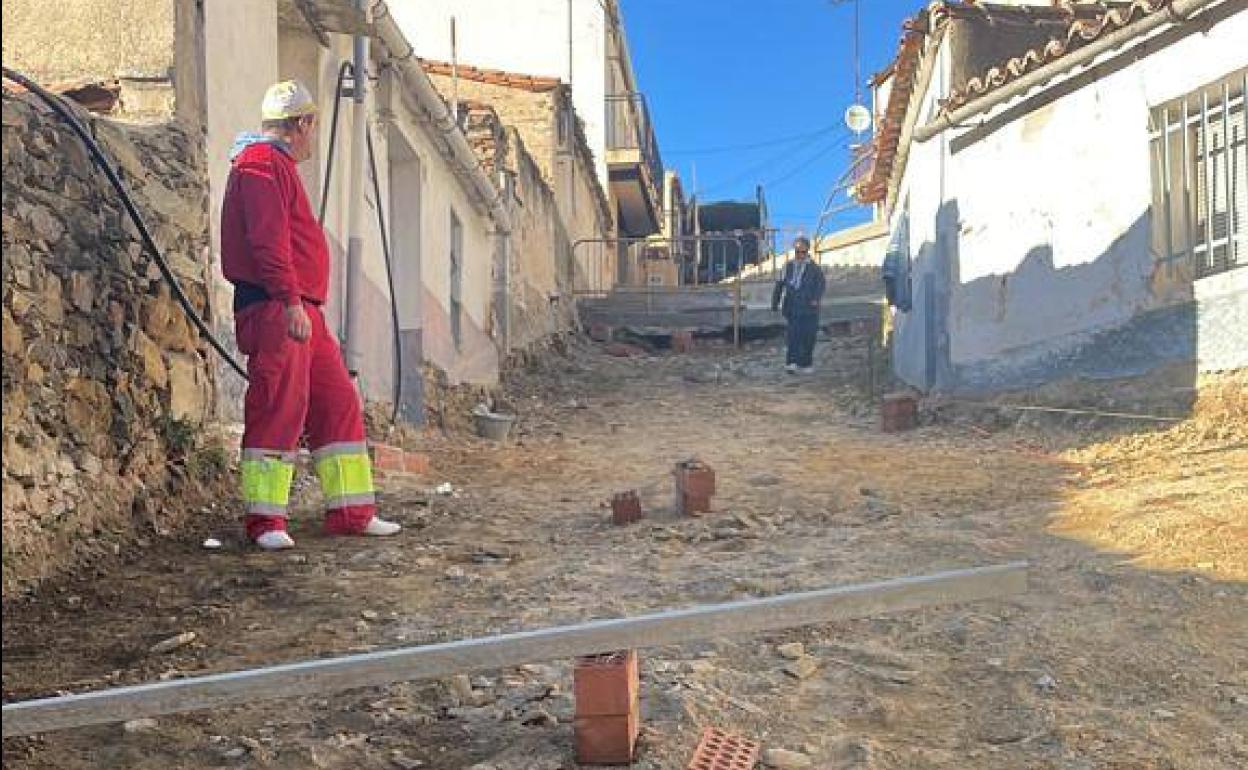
(720, 74)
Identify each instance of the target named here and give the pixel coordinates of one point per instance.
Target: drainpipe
(1177, 11)
(355, 242)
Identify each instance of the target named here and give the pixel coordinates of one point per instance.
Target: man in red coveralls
(274, 252)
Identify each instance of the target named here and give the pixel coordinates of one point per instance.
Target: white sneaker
(806, 370)
(790, 367)
(275, 541)
(381, 528)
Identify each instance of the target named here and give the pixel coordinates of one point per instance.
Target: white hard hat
(287, 99)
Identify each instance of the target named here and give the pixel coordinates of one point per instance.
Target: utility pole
(454, 75)
(355, 243)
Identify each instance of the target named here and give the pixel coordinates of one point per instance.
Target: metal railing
(629, 128)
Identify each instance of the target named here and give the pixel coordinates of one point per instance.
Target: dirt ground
(1130, 651)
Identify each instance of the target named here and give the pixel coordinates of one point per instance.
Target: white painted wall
(529, 37)
(240, 62)
(245, 53)
(1068, 184)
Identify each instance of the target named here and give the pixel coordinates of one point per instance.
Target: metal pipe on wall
(355, 241)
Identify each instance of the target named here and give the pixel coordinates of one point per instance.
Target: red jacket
(269, 236)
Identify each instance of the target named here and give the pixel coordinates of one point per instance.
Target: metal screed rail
(495, 652)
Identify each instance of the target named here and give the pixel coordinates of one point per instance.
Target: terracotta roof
(1079, 32)
(1079, 24)
(533, 83)
(905, 66)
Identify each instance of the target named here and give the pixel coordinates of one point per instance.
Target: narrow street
(1129, 651)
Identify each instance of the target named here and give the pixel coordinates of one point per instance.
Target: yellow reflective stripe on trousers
(345, 476)
(266, 483)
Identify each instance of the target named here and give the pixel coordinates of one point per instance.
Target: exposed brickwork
(531, 113)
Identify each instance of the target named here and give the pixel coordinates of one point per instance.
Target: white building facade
(1055, 235)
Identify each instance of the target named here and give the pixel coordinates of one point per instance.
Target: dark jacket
(803, 300)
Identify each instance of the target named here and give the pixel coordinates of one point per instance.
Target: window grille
(1199, 147)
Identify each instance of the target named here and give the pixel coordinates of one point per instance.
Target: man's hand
(298, 325)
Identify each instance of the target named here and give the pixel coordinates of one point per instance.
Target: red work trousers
(297, 388)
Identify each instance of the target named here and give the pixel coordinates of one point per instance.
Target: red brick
(719, 750)
(695, 477)
(898, 412)
(606, 685)
(607, 739)
(691, 505)
(416, 463)
(682, 342)
(626, 508)
(387, 458)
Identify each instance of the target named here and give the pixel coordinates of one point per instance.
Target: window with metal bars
(1200, 177)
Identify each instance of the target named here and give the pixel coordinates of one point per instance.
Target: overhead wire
(769, 161)
(754, 145)
(803, 165)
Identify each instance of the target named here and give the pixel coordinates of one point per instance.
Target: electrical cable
(97, 155)
(755, 145)
(344, 69)
(394, 301)
(749, 170)
(803, 165)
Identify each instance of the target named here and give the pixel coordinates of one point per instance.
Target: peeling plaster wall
(1048, 270)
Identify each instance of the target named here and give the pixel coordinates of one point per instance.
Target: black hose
(97, 154)
(394, 299)
(343, 70)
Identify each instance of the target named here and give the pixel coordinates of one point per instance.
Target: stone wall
(107, 387)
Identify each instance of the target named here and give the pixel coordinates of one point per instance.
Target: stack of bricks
(626, 508)
(899, 412)
(607, 689)
(695, 486)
